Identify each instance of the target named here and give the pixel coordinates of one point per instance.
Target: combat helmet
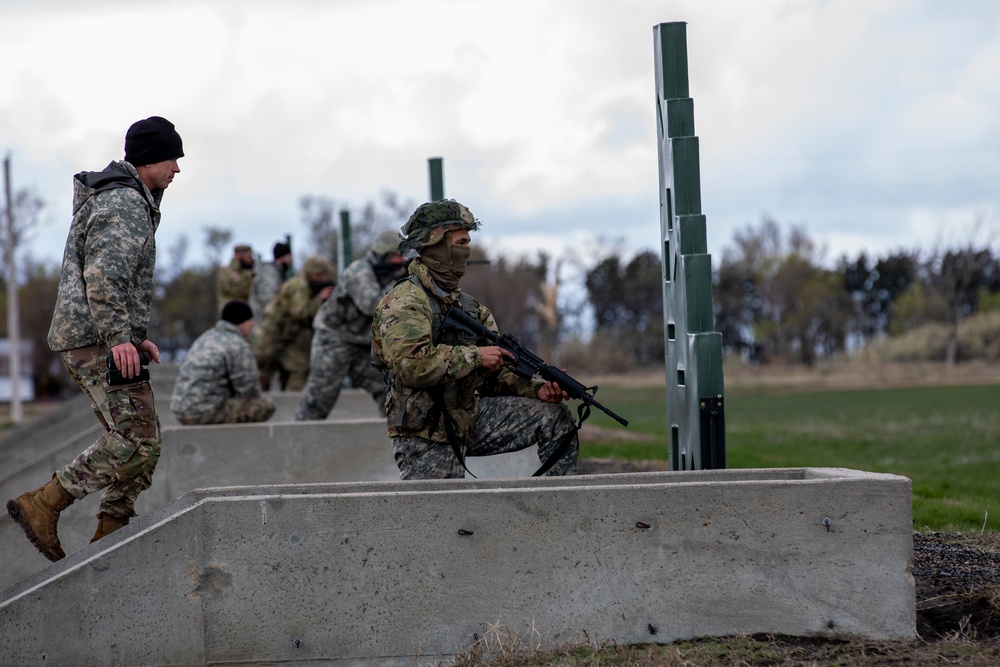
(316, 266)
(428, 224)
(384, 243)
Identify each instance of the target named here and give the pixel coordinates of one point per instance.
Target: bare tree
(216, 241)
(318, 216)
(26, 210)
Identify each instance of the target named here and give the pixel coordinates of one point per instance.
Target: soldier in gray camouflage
(280, 340)
(342, 330)
(233, 282)
(451, 397)
(218, 381)
(102, 310)
(269, 278)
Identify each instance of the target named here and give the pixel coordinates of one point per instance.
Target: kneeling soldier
(218, 382)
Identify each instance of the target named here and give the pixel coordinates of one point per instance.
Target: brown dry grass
(857, 373)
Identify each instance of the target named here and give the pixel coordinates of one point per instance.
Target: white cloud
(854, 119)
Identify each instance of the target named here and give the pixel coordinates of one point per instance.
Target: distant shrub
(978, 339)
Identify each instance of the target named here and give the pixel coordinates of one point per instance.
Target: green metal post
(345, 253)
(695, 406)
(436, 166)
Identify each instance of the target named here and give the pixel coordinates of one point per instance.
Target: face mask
(317, 286)
(446, 262)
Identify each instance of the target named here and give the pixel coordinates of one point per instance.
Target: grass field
(946, 439)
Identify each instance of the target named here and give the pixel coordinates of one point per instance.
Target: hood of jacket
(86, 184)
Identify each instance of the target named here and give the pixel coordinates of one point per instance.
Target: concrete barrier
(352, 404)
(403, 573)
(226, 455)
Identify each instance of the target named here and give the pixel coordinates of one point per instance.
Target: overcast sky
(872, 124)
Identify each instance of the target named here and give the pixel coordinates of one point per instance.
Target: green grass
(945, 439)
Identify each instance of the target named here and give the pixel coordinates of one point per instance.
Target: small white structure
(26, 387)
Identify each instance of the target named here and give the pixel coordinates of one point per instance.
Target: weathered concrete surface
(226, 455)
(401, 573)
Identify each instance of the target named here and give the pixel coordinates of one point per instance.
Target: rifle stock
(527, 364)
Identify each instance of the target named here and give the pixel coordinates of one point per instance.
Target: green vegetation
(945, 439)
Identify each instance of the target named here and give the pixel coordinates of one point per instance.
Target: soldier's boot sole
(52, 552)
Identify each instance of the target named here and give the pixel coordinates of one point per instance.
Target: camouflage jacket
(427, 377)
(233, 282)
(267, 283)
(290, 313)
(220, 365)
(106, 282)
(347, 314)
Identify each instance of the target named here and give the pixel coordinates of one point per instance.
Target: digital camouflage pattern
(420, 370)
(349, 310)
(504, 424)
(330, 361)
(342, 335)
(122, 461)
(233, 282)
(105, 286)
(277, 338)
(267, 283)
(218, 382)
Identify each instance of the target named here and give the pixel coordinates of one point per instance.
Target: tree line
(600, 309)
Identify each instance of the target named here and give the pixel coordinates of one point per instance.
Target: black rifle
(527, 364)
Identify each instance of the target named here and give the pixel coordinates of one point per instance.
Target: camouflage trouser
(330, 361)
(290, 361)
(235, 411)
(504, 424)
(122, 461)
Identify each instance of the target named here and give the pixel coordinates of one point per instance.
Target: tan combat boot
(37, 512)
(107, 524)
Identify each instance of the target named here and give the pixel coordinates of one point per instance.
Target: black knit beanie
(152, 140)
(237, 312)
(281, 249)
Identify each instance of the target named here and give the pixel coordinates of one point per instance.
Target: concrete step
(227, 455)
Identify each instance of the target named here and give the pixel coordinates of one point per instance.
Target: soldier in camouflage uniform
(281, 338)
(218, 381)
(232, 283)
(269, 278)
(450, 397)
(102, 309)
(342, 330)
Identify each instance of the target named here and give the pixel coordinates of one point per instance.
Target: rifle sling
(456, 446)
(582, 411)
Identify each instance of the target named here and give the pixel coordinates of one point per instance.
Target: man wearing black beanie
(218, 381)
(100, 318)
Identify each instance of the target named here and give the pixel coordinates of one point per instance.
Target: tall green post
(695, 407)
(345, 251)
(436, 166)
